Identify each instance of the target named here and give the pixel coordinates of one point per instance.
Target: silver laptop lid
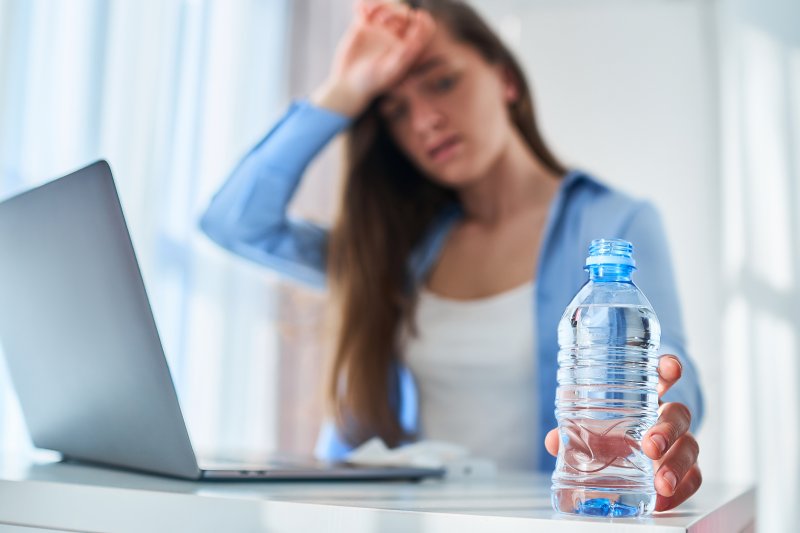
(78, 333)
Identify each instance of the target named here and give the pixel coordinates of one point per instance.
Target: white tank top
(474, 362)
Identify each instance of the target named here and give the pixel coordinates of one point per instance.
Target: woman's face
(449, 114)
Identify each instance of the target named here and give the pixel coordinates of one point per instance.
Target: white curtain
(759, 356)
(171, 93)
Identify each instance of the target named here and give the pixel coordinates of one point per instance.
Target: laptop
(83, 350)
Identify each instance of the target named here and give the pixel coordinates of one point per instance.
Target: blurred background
(693, 104)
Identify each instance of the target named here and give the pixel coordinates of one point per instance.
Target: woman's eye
(444, 84)
(395, 113)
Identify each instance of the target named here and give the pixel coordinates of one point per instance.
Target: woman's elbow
(216, 229)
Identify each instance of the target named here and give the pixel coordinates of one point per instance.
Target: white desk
(60, 496)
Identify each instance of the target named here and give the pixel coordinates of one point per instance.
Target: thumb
(551, 441)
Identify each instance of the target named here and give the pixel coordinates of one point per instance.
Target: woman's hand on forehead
(392, 16)
(412, 28)
(381, 44)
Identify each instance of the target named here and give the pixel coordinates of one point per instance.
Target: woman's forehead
(431, 63)
(448, 48)
(442, 52)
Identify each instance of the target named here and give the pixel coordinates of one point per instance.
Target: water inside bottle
(606, 400)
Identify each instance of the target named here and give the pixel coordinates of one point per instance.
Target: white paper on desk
(453, 458)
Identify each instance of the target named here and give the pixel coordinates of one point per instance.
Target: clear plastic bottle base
(603, 503)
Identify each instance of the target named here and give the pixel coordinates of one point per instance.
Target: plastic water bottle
(606, 397)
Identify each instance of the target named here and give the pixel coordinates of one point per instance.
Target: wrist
(338, 98)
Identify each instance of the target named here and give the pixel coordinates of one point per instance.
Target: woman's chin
(454, 178)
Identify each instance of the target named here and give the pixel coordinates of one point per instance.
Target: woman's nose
(425, 116)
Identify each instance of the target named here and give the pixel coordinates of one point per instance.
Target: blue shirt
(248, 216)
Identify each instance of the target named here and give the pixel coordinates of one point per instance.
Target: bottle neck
(610, 272)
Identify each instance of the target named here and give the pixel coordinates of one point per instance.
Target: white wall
(626, 89)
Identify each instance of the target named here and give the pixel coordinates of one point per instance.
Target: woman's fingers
(676, 464)
(423, 27)
(385, 15)
(669, 371)
(399, 58)
(396, 23)
(671, 425)
(365, 8)
(420, 30)
(383, 12)
(687, 486)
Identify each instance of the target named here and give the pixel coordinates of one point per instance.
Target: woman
(458, 230)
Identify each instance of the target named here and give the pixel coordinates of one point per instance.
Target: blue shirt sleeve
(248, 215)
(655, 278)
(331, 444)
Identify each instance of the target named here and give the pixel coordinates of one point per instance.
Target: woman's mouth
(443, 150)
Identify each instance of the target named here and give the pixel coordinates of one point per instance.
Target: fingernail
(671, 480)
(660, 442)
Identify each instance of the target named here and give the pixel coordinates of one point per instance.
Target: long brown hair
(387, 206)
